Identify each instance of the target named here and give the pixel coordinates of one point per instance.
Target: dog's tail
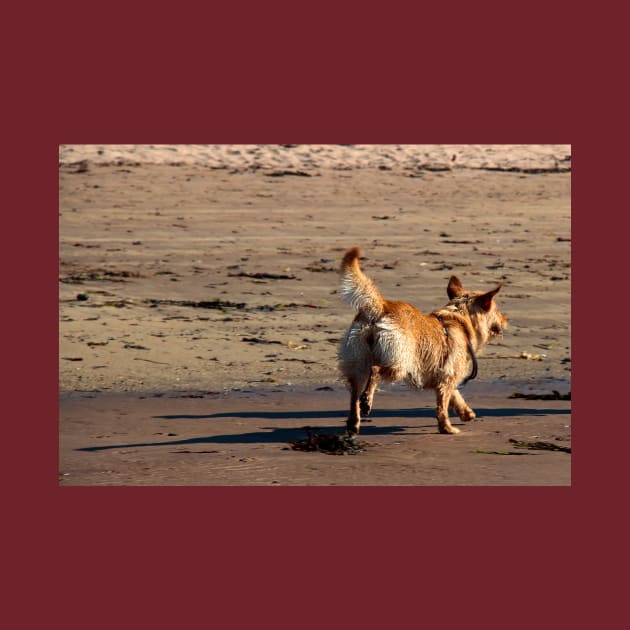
(357, 289)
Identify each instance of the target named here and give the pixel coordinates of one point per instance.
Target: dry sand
(200, 310)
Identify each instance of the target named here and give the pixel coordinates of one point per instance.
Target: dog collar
(473, 373)
(439, 318)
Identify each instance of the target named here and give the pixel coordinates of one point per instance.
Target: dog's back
(395, 336)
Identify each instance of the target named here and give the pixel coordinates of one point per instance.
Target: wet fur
(394, 341)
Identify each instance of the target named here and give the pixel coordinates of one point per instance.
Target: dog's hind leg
(367, 397)
(461, 408)
(358, 383)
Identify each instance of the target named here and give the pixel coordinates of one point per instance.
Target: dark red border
(160, 557)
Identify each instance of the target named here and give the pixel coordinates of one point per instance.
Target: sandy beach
(199, 310)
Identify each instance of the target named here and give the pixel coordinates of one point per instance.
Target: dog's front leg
(443, 396)
(461, 408)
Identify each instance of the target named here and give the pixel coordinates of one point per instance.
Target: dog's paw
(467, 416)
(448, 429)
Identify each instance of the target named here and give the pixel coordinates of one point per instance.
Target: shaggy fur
(394, 341)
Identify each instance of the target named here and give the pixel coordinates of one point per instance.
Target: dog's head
(486, 318)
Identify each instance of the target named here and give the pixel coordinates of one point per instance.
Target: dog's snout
(497, 327)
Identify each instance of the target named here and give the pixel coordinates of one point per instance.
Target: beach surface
(200, 311)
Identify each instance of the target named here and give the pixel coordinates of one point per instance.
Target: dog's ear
(454, 288)
(485, 300)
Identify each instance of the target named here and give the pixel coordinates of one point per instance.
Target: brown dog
(394, 341)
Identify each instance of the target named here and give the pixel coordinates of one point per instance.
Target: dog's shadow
(268, 435)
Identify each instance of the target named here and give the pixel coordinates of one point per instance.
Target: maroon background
(301, 557)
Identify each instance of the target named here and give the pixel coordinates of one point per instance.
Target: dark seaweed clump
(329, 443)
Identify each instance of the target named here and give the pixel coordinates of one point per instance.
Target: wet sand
(246, 439)
(200, 311)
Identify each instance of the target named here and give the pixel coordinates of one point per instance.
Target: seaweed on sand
(555, 395)
(329, 443)
(540, 446)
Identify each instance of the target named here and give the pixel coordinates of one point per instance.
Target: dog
(394, 341)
